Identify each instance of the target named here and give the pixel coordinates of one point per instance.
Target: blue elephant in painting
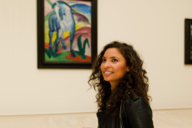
(60, 22)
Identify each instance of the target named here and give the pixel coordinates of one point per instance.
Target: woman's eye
(114, 60)
(103, 60)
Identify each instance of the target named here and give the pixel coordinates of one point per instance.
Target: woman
(122, 87)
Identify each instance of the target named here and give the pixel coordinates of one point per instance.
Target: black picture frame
(41, 63)
(188, 41)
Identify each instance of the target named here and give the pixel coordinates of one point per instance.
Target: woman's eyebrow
(115, 57)
(111, 57)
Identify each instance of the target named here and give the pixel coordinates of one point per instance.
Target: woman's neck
(113, 84)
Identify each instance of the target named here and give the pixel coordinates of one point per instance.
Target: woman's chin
(106, 80)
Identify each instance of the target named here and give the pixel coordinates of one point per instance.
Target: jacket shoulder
(132, 103)
(137, 112)
(131, 99)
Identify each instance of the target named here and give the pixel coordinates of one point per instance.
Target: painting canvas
(188, 41)
(69, 34)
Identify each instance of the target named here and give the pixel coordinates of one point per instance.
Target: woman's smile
(107, 73)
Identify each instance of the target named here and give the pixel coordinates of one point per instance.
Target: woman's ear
(128, 69)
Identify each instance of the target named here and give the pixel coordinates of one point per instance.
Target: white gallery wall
(154, 27)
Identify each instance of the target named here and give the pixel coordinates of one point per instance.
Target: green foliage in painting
(50, 2)
(81, 51)
(61, 57)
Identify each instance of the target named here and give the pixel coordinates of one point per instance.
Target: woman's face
(113, 66)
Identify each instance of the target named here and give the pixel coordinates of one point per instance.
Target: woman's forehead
(112, 52)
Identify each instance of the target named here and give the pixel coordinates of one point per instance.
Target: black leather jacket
(135, 113)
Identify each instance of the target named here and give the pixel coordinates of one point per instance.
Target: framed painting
(188, 41)
(67, 33)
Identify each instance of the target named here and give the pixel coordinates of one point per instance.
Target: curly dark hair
(134, 83)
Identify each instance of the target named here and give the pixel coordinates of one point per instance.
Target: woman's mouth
(107, 73)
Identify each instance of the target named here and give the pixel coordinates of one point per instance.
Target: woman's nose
(107, 64)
